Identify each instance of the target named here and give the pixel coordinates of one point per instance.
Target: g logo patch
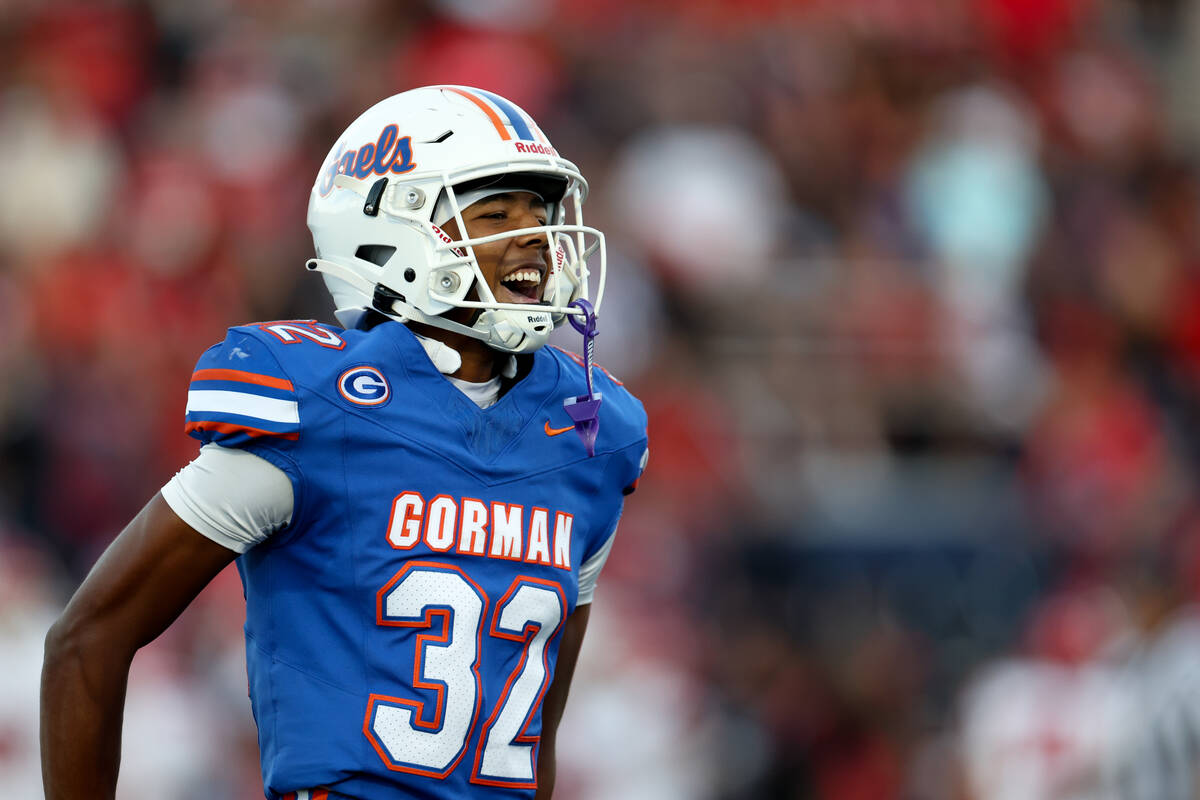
(364, 386)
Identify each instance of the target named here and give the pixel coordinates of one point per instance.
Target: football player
(419, 502)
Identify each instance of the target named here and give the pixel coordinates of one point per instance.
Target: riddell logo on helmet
(535, 147)
(390, 154)
(441, 234)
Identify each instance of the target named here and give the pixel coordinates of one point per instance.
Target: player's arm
(141, 583)
(556, 698)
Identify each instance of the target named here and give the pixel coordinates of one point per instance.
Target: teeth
(523, 276)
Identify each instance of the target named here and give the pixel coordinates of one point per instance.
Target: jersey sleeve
(240, 395)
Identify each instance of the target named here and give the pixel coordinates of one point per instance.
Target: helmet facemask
(521, 327)
(452, 264)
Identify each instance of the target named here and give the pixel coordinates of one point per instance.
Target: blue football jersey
(402, 631)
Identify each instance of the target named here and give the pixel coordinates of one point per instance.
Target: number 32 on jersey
(450, 610)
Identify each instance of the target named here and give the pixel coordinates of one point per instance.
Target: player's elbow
(63, 656)
(74, 640)
(65, 643)
(81, 667)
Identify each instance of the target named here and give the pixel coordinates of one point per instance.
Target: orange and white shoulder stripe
(225, 402)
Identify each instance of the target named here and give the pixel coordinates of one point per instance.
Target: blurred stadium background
(910, 288)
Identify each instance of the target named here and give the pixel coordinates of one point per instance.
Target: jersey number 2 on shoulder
(450, 611)
(303, 330)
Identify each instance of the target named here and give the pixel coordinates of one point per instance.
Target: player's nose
(534, 238)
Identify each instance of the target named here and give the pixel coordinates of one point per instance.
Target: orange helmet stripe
(487, 109)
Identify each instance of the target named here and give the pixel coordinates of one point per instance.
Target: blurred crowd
(910, 289)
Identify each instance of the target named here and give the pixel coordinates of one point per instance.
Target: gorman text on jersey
(493, 530)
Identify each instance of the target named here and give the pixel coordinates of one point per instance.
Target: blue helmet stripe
(515, 118)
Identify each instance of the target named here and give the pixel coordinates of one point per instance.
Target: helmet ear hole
(377, 254)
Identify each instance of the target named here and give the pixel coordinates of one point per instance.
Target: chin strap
(585, 410)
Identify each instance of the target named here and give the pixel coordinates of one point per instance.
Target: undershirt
(238, 499)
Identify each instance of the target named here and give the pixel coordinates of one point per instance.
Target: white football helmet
(431, 152)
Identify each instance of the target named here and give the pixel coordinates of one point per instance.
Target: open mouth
(520, 286)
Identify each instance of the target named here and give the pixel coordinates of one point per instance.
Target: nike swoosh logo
(556, 431)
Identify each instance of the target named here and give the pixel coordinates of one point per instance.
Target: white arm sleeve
(231, 496)
(589, 571)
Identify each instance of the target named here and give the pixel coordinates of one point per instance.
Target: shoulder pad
(604, 381)
(240, 393)
(566, 356)
(300, 347)
(622, 417)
